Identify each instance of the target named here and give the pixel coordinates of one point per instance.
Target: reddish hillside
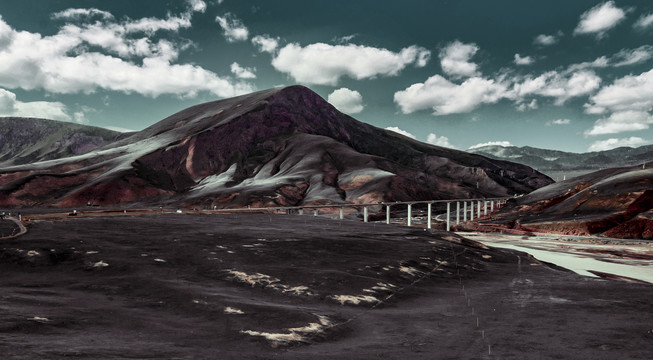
(283, 146)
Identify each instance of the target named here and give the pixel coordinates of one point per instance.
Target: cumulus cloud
(614, 143)
(559, 85)
(491, 143)
(454, 59)
(325, 64)
(399, 131)
(558, 122)
(625, 57)
(346, 100)
(234, 30)
(243, 72)
(112, 55)
(526, 60)
(644, 22)
(10, 106)
(621, 121)
(599, 19)
(523, 106)
(547, 40)
(631, 92)
(445, 97)
(439, 141)
(266, 43)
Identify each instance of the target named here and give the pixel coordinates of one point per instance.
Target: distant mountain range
(28, 140)
(554, 162)
(283, 146)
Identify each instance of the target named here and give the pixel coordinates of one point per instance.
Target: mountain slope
(552, 161)
(27, 140)
(614, 202)
(283, 146)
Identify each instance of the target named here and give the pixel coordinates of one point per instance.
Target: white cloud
(77, 14)
(644, 22)
(546, 40)
(526, 60)
(527, 106)
(559, 122)
(346, 100)
(454, 59)
(561, 86)
(631, 92)
(265, 43)
(10, 106)
(599, 19)
(624, 57)
(243, 72)
(445, 97)
(63, 63)
(614, 143)
(197, 5)
(439, 141)
(399, 131)
(325, 64)
(234, 30)
(621, 121)
(80, 117)
(491, 143)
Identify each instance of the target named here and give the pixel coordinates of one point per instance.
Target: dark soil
(158, 287)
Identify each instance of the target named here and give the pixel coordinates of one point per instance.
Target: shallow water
(578, 257)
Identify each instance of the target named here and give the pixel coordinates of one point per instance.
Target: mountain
(28, 140)
(557, 163)
(614, 202)
(283, 146)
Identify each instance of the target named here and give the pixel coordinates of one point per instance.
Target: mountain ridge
(282, 146)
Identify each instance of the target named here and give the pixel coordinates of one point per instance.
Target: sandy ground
(297, 287)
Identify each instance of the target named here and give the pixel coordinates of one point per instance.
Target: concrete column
(471, 211)
(428, 212)
(365, 215)
(387, 214)
(457, 212)
(448, 216)
(410, 213)
(316, 212)
(484, 208)
(492, 206)
(465, 211)
(342, 214)
(301, 211)
(478, 209)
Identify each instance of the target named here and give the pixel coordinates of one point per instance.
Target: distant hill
(283, 146)
(28, 140)
(615, 202)
(558, 163)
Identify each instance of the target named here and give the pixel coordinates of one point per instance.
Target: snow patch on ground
(354, 299)
(234, 311)
(293, 335)
(270, 282)
(409, 270)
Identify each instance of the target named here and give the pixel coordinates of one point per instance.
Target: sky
(568, 75)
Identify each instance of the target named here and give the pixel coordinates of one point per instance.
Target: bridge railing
(471, 208)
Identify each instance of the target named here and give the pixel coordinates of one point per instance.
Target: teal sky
(568, 75)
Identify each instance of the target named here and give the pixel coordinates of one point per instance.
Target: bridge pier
(410, 216)
(478, 209)
(316, 212)
(465, 211)
(342, 214)
(484, 208)
(365, 214)
(387, 214)
(457, 212)
(448, 215)
(492, 206)
(471, 212)
(428, 212)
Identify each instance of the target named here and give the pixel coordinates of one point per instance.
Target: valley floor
(297, 287)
